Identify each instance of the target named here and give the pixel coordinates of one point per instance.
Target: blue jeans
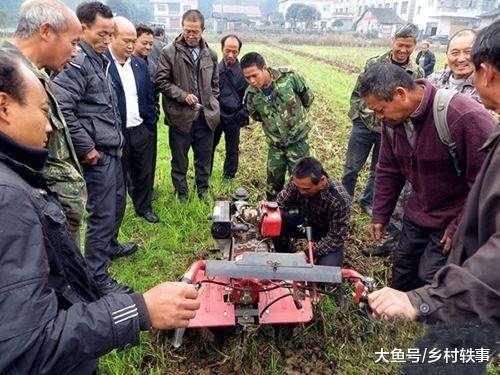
(361, 142)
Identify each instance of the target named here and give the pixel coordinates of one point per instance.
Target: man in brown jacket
(188, 78)
(468, 286)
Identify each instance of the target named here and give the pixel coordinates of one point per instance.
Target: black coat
(88, 102)
(145, 91)
(429, 62)
(232, 86)
(51, 320)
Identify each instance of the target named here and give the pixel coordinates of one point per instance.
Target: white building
(234, 17)
(169, 12)
(433, 17)
(324, 7)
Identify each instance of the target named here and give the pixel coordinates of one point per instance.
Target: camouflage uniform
(62, 170)
(283, 114)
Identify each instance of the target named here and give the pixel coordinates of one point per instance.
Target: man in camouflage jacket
(62, 170)
(365, 134)
(280, 99)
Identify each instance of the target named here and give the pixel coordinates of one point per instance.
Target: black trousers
(232, 139)
(289, 230)
(105, 207)
(138, 166)
(200, 138)
(418, 256)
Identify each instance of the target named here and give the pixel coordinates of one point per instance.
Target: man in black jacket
(233, 113)
(52, 319)
(89, 105)
(136, 103)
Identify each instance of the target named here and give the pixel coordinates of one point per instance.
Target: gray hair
(34, 13)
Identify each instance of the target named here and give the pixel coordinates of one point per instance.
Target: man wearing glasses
(188, 78)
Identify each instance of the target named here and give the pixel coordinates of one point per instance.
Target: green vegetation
(340, 340)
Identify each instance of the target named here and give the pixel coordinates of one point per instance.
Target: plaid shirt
(327, 212)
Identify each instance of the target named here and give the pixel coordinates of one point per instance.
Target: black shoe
(227, 180)
(366, 208)
(383, 249)
(112, 286)
(125, 250)
(182, 197)
(202, 194)
(150, 217)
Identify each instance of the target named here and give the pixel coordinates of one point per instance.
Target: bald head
(123, 41)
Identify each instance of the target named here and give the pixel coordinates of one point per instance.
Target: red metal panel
(213, 312)
(283, 311)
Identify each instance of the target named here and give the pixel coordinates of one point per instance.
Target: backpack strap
(440, 110)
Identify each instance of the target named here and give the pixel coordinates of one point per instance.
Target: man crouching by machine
(313, 199)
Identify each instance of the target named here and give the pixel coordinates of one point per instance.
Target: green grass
(339, 340)
(354, 57)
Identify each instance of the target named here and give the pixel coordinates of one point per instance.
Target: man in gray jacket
(188, 78)
(88, 102)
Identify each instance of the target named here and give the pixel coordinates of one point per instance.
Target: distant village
(374, 18)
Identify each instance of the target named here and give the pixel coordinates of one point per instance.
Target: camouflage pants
(279, 161)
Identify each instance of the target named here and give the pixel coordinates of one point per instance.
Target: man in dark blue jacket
(52, 320)
(89, 105)
(233, 113)
(136, 103)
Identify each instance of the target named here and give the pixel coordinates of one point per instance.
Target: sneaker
(384, 249)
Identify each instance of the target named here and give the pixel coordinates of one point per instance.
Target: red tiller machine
(252, 284)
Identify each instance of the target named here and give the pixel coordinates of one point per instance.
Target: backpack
(440, 110)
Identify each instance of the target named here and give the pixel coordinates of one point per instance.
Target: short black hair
(381, 80)
(142, 28)
(12, 81)
(194, 15)
(309, 167)
(252, 59)
(486, 47)
(159, 31)
(409, 30)
(223, 40)
(88, 11)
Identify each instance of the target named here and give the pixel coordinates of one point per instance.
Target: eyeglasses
(192, 32)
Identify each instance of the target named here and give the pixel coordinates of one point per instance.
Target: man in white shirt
(136, 104)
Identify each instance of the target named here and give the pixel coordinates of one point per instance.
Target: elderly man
(365, 133)
(280, 99)
(459, 75)
(46, 37)
(188, 78)
(53, 321)
(136, 103)
(88, 102)
(411, 150)
(323, 204)
(468, 286)
(233, 113)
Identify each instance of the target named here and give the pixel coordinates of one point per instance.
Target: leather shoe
(150, 217)
(112, 286)
(125, 250)
(182, 198)
(202, 194)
